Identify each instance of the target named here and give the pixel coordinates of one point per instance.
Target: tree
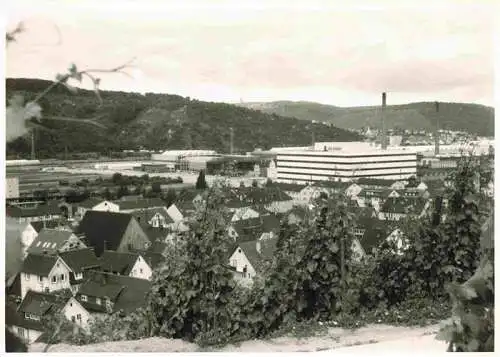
(117, 178)
(156, 187)
(255, 183)
(170, 197)
(201, 184)
(122, 191)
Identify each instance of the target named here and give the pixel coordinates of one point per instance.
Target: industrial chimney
(231, 140)
(436, 134)
(384, 133)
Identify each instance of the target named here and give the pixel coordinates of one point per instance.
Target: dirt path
(335, 338)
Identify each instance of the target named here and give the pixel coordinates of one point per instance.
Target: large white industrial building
(344, 162)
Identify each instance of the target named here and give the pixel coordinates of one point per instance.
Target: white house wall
(141, 269)
(106, 206)
(27, 335)
(72, 309)
(238, 260)
(32, 281)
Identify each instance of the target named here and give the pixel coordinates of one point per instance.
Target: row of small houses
(105, 263)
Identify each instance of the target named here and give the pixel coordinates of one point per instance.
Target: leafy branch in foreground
(23, 117)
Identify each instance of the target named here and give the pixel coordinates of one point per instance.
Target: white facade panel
(353, 173)
(344, 159)
(345, 167)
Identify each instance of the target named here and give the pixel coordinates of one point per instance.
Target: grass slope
(158, 121)
(473, 118)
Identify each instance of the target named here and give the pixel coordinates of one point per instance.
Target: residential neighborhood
(104, 254)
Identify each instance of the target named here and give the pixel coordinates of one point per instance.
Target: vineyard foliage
(313, 277)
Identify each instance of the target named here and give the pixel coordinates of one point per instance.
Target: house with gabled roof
(194, 197)
(154, 217)
(291, 189)
(112, 231)
(53, 241)
(249, 258)
(130, 206)
(244, 213)
(101, 293)
(26, 320)
(260, 228)
(79, 261)
(127, 264)
(397, 208)
(44, 273)
(96, 204)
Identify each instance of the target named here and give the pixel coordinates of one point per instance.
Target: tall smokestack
(436, 134)
(231, 140)
(33, 154)
(384, 133)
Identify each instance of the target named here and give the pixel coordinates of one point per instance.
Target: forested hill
(472, 118)
(158, 121)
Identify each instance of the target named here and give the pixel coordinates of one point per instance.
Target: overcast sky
(266, 50)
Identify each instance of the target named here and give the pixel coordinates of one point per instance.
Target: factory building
(344, 162)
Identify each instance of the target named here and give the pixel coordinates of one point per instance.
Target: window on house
(47, 290)
(54, 279)
(62, 277)
(140, 271)
(27, 276)
(20, 331)
(73, 319)
(79, 317)
(83, 297)
(40, 279)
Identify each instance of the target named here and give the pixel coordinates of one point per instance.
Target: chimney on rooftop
(384, 134)
(436, 134)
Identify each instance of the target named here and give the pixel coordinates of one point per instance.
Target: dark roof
(403, 205)
(264, 195)
(374, 182)
(40, 265)
(185, 207)
(15, 286)
(145, 215)
(39, 225)
(154, 234)
(374, 235)
(16, 318)
(80, 259)
(38, 211)
(335, 185)
(38, 303)
(140, 203)
(50, 240)
(115, 262)
(127, 293)
(189, 195)
(291, 187)
(104, 227)
(255, 258)
(153, 257)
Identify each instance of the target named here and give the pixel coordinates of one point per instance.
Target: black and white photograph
(249, 176)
